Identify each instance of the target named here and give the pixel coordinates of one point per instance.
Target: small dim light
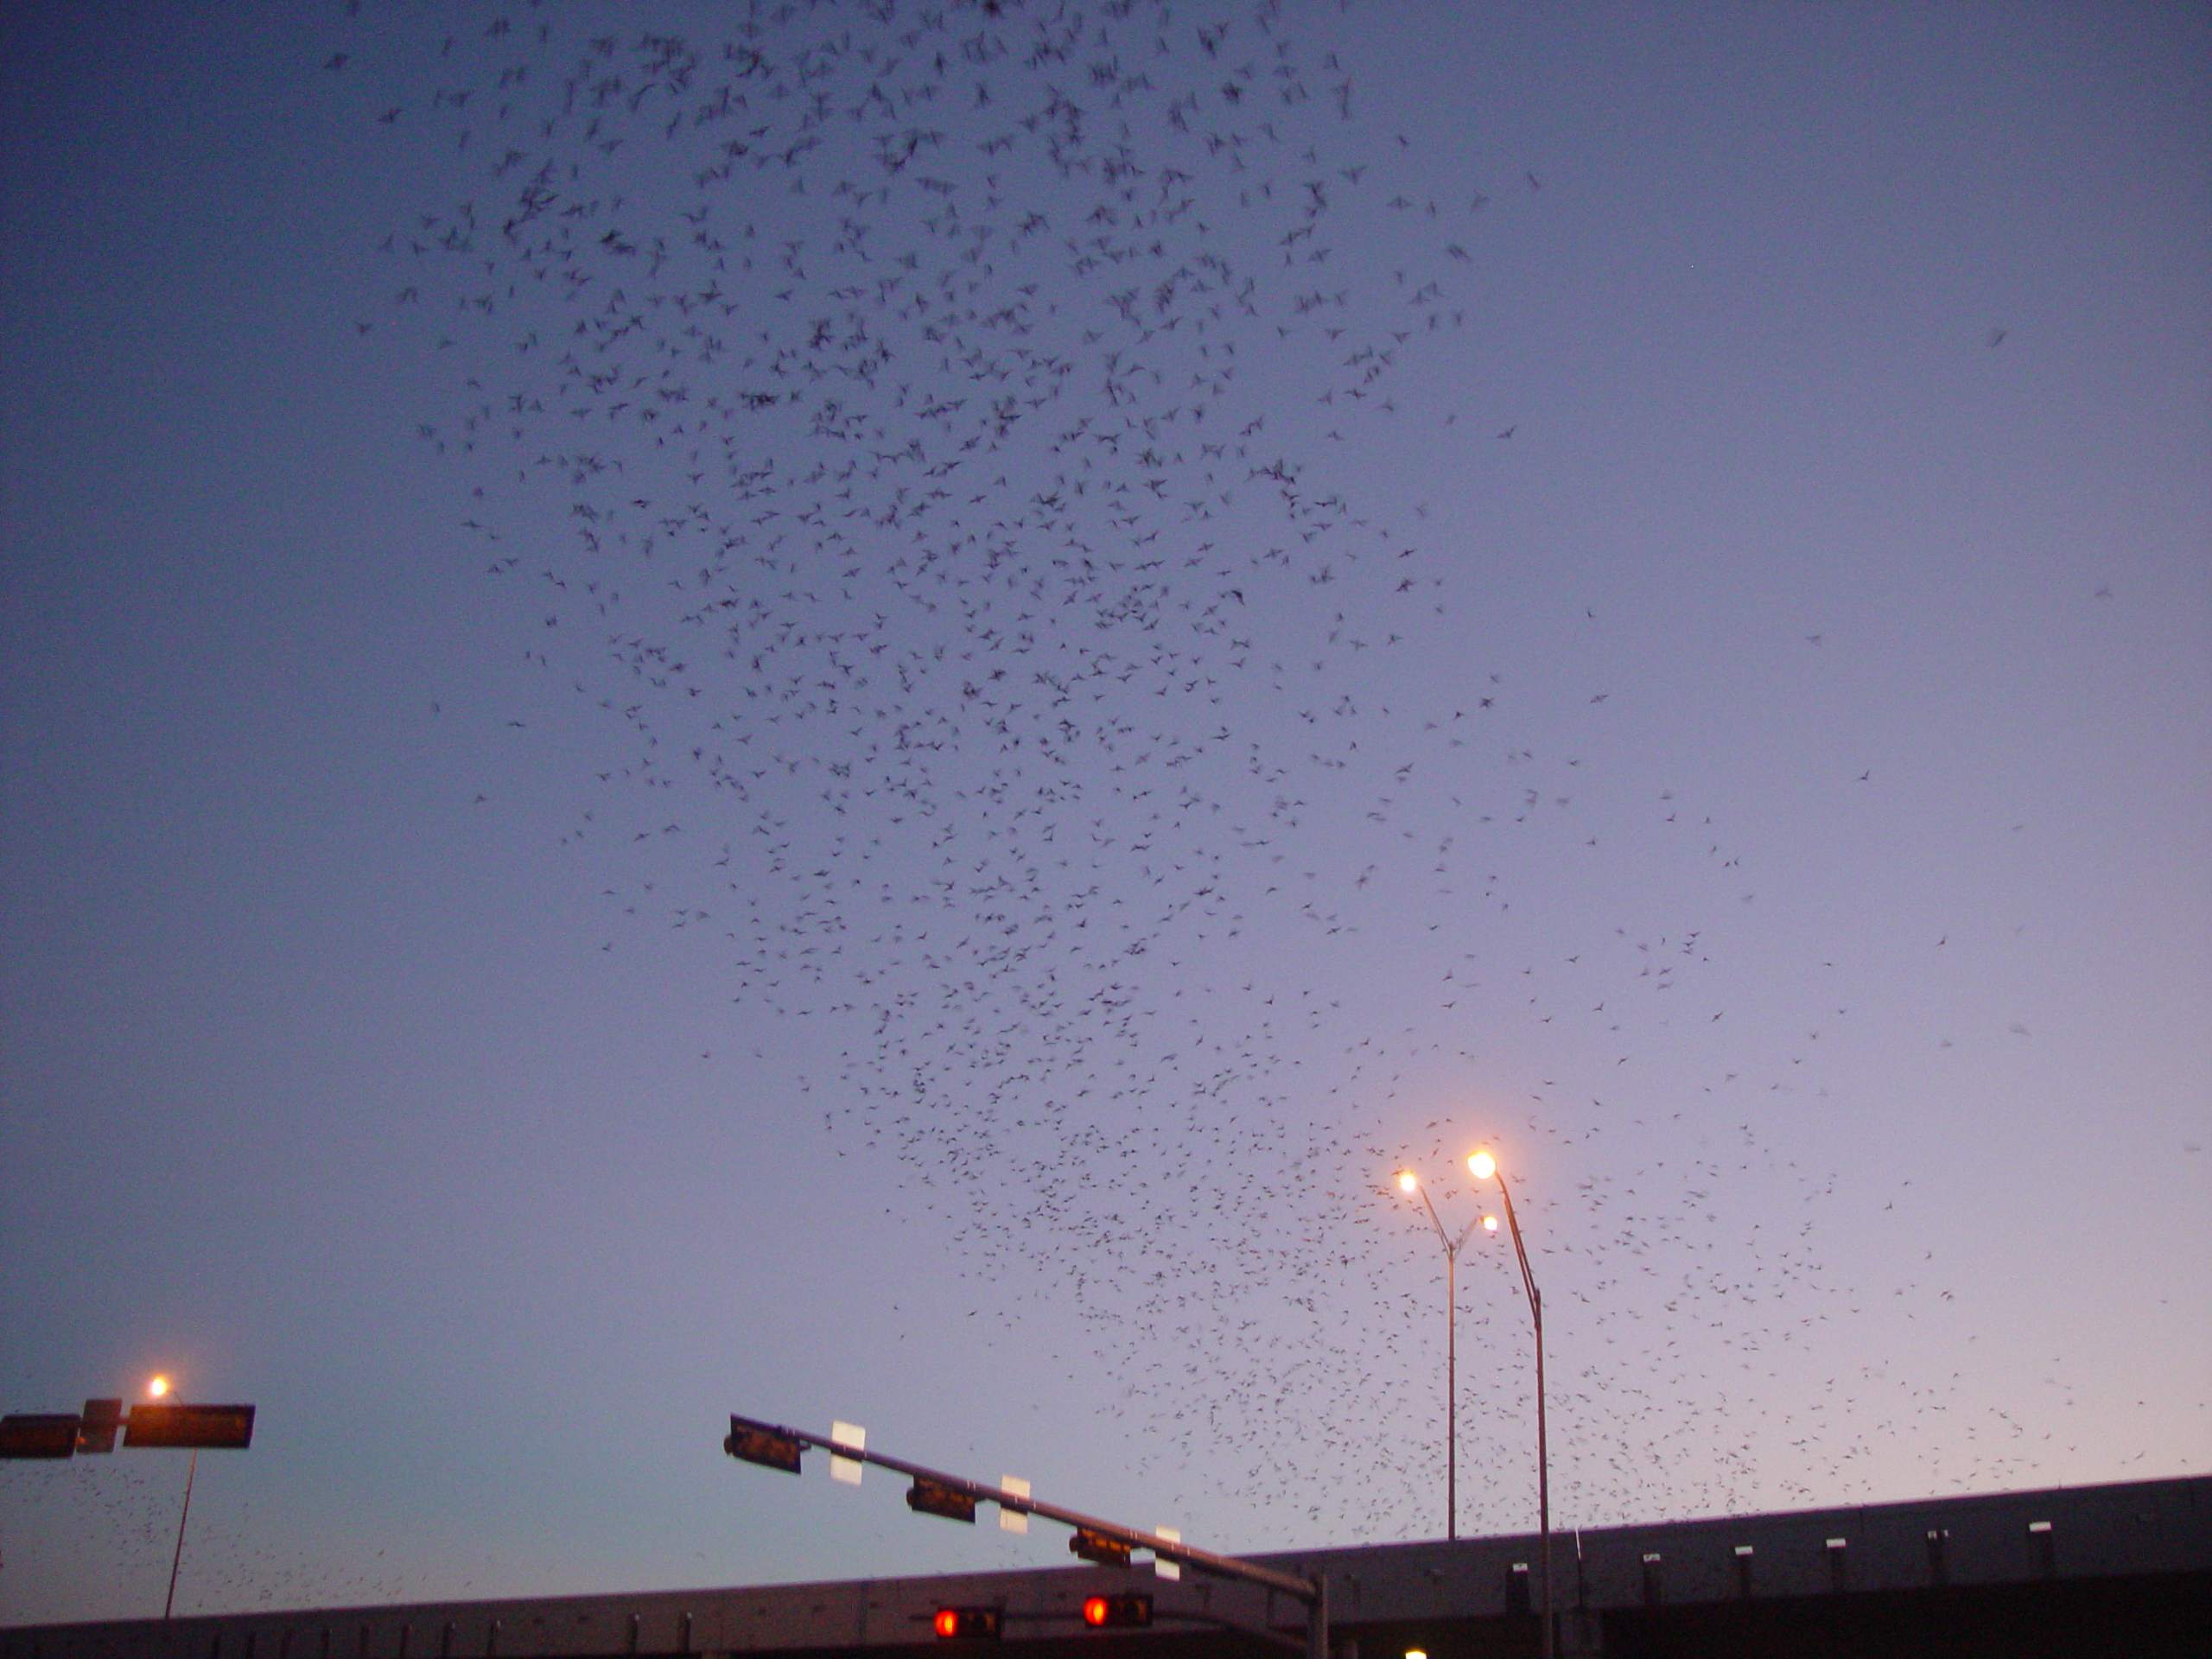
(1483, 1164)
(1407, 1183)
(1490, 1223)
(158, 1387)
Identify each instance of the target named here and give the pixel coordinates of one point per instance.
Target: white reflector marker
(1013, 1520)
(854, 1437)
(1166, 1569)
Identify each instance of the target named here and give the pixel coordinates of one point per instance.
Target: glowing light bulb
(1407, 1183)
(1490, 1223)
(1483, 1164)
(158, 1387)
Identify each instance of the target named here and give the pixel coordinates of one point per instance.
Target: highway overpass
(2083, 1571)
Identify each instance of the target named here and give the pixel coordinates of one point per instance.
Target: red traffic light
(954, 1623)
(1097, 1547)
(1132, 1608)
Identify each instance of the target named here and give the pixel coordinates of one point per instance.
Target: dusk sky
(861, 711)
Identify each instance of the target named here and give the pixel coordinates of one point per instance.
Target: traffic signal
(959, 1624)
(929, 1496)
(1118, 1611)
(1097, 1547)
(96, 1428)
(41, 1434)
(760, 1443)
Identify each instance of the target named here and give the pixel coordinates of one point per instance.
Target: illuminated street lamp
(1409, 1183)
(1482, 1166)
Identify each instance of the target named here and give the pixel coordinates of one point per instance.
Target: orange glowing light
(1483, 1164)
(948, 1621)
(1094, 1611)
(1490, 1223)
(158, 1387)
(1407, 1183)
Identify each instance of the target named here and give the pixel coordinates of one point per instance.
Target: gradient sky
(1631, 587)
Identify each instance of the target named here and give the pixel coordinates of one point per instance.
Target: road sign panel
(96, 1429)
(202, 1427)
(40, 1434)
(851, 1435)
(1161, 1566)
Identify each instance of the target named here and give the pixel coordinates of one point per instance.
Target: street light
(1482, 1166)
(1409, 1183)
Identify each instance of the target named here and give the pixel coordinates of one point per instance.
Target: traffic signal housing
(1097, 1547)
(928, 1497)
(966, 1624)
(1118, 1612)
(761, 1443)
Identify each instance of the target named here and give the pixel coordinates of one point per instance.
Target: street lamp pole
(1408, 1182)
(191, 1469)
(1481, 1165)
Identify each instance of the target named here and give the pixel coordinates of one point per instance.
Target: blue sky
(1630, 589)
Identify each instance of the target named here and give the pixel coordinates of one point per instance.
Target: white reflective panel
(1167, 1569)
(1013, 1520)
(846, 1469)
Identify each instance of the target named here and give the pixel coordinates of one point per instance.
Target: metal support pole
(1317, 1619)
(1451, 1394)
(1452, 1248)
(1543, 1458)
(190, 1470)
(1544, 1485)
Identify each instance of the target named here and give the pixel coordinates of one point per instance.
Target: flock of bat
(929, 439)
